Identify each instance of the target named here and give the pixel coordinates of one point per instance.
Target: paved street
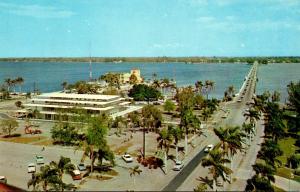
(235, 117)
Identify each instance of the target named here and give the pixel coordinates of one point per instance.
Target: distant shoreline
(187, 60)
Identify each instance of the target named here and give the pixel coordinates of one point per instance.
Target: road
(185, 180)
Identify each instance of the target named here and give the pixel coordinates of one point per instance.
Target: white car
(178, 166)
(39, 159)
(31, 168)
(208, 148)
(127, 158)
(239, 100)
(3, 179)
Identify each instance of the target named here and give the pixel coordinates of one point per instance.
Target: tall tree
(9, 125)
(177, 134)
(165, 139)
(215, 161)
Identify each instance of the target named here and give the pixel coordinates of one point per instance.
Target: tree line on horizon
(194, 59)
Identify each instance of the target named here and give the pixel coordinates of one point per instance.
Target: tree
(152, 119)
(169, 106)
(143, 92)
(64, 165)
(294, 161)
(134, 171)
(65, 133)
(205, 181)
(19, 104)
(248, 130)
(269, 151)
(9, 125)
(209, 86)
(20, 81)
(64, 85)
(252, 115)
(215, 161)
(177, 134)
(47, 176)
(94, 143)
(8, 82)
(165, 139)
(293, 100)
(274, 125)
(186, 102)
(199, 86)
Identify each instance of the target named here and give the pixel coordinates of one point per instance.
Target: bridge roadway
(234, 118)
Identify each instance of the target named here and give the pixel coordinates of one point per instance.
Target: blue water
(276, 77)
(49, 76)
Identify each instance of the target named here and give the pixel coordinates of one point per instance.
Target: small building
(51, 105)
(125, 77)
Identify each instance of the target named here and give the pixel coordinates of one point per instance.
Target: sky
(107, 28)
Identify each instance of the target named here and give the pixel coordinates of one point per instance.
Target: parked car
(208, 148)
(76, 175)
(127, 158)
(31, 168)
(81, 167)
(3, 179)
(39, 159)
(178, 166)
(239, 100)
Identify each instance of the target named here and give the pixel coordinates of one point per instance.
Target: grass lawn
(286, 145)
(288, 148)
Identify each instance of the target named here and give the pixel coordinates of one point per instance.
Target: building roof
(78, 96)
(68, 107)
(76, 101)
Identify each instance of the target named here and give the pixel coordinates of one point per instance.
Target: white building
(51, 105)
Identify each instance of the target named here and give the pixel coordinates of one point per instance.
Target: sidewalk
(242, 163)
(286, 184)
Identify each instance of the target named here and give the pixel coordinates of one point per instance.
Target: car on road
(76, 175)
(178, 166)
(127, 158)
(208, 148)
(81, 167)
(31, 168)
(39, 159)
(3, 179)
(239, 100)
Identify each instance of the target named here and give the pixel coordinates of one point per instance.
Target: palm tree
(232, 140)
(209, 85)
(249, 131)
(133, 172)
(20, 81)
(164, 141)
(269, 151)
(199, 86)
(231, 90)
(64, 85)
(8, 82)
(64, 165)
(47, 176)
(253, 115)
(205, 181)
(264, 170)
(177, 134)
(215, 161)
(261, 181)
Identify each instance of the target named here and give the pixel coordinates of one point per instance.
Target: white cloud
(242, 45)
(37, 11)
